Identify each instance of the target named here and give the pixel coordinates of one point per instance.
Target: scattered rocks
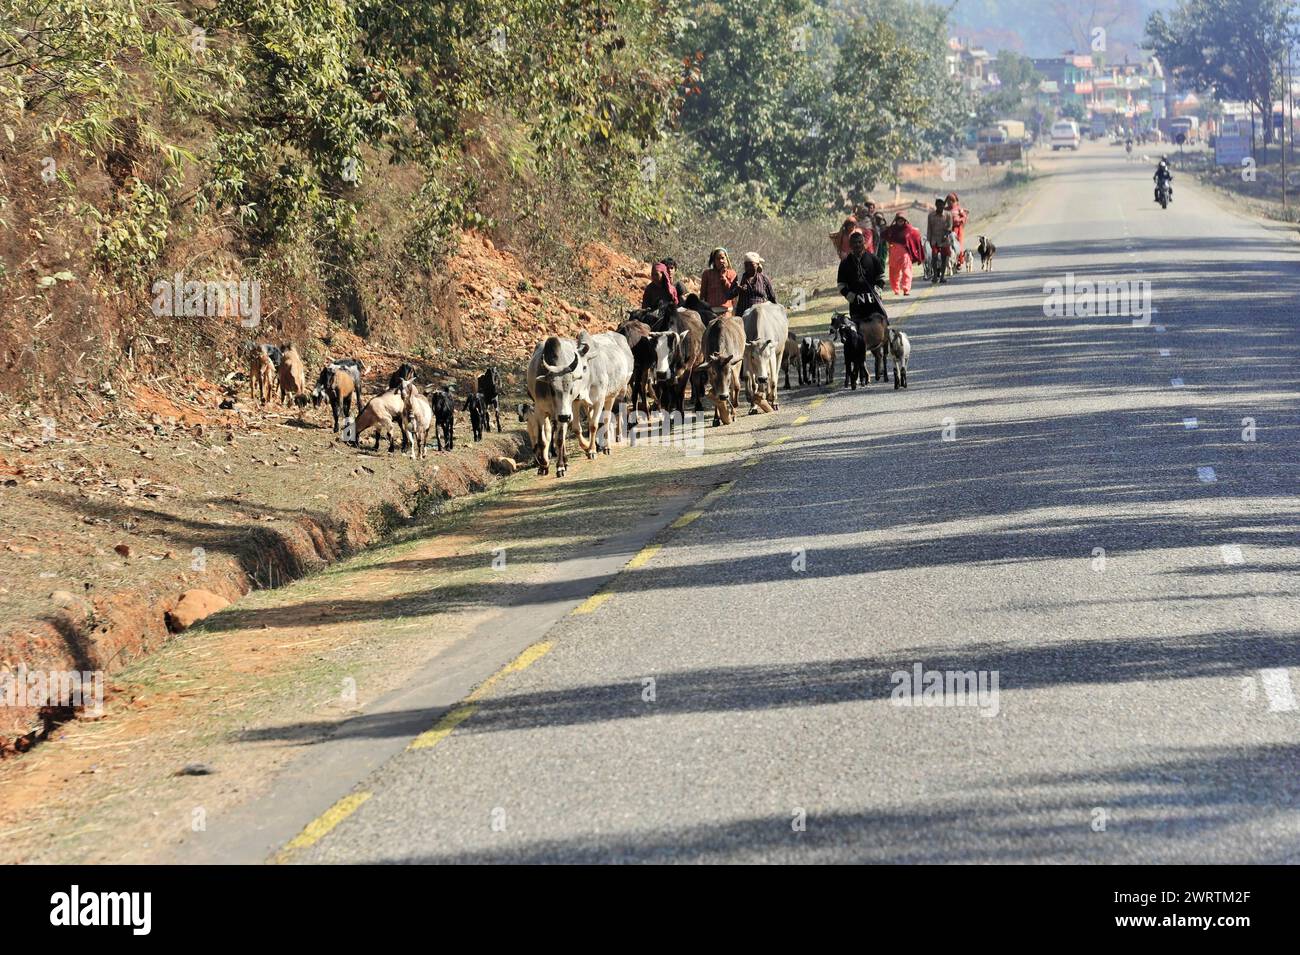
(62, 597)
(193, 606)
(123, 549)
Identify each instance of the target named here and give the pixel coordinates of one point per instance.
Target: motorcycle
(1162, 194)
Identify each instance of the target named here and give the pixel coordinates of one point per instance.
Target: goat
(444, 413)
(262, 371)
(417, 418)
(405, 372)
(823, 353)
(855, 355)
(489, 386)
(790, 356)
(900, 346)
(293, 377)
(477, 407)
(340, 382)
(807, 360)
(381, 412)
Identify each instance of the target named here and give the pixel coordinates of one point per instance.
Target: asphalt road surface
(1091, 517)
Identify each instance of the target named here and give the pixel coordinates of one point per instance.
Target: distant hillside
(1047, 27)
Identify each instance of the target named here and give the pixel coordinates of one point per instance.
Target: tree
(800, 104)
(1233, 47)
(1088, 23)
(1018, 80)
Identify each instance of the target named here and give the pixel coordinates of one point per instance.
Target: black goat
(478, 415)
(489, 386)
(444, 417)
(855, 350)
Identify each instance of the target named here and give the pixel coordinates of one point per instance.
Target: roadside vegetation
(336, 151)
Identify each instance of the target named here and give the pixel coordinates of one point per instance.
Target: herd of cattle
(651, 360)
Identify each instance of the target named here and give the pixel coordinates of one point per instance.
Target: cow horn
(556, 370)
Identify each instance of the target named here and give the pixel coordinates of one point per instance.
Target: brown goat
(381, 413)
(823, 357)
(261, 374)
(293, 378)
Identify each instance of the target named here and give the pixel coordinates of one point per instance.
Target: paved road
(1143, 708)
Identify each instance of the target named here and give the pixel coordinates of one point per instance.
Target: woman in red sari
(904, 240)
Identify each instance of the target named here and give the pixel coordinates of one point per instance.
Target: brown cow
(687, 365)
(724, 348)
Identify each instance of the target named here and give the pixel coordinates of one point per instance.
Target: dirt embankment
(121, 496)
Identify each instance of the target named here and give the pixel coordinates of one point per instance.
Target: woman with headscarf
(959, 216)
(754, 286)
(904, 241)
(840, 239)
(660, 290)
(717, 282)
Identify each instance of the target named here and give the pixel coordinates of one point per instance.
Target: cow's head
(563, 365)
(665, 347)
(719, 372)
(756, 355)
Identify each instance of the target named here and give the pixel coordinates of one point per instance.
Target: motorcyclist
(1163, 176)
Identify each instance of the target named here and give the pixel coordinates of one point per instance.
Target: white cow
(555, 374)
(609, 373)
(767, 328)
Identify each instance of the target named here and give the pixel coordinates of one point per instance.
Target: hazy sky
(1047, 27)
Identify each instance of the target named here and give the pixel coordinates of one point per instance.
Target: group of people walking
(867, 243)
(899, 245)
(720, 287)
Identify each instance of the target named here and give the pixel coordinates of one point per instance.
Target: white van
(1065, 134)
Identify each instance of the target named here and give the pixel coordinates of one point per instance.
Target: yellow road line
(643, 558)
(802, 419)
(685, 519)
(323, 824)
(444, 727)
(521, 662)
(751, 460)
(698, 511)
(817, 403)
(781, 440)
(591, 603)
(327, 821)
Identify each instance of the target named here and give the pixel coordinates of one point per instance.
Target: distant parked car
(1065, 135)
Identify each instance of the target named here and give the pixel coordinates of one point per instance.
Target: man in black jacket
(860, 275)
